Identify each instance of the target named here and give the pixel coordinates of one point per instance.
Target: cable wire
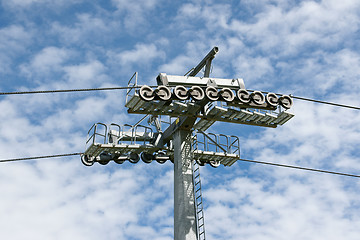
(39, 157)
(123, 88)
(325, 102)
(300, 168)
(316, 101)
(68, 90)
(241, 159)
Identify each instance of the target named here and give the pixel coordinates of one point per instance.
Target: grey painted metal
(200, 219)
(208, 67)
(216, 111)
(185, 227)
(206, 61)
(175, 80)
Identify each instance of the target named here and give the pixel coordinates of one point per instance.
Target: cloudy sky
(304, 48)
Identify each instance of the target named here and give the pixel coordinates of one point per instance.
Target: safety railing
(211, 142)
(131, 86)
(136, 134)
(114, 133)
(94, 131)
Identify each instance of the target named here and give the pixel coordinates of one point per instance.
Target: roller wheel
(86, 160)
(159, 156)
(103, 162)
(134, 158)
(104, 158)
(227, 94)
(196, 93)
(257, 97)
(147, 157)
(272, 99)
(243, 96)
(163, 93)
(120, 159)
(146, 93)
(211, 93)
(199, 162)
(214, 163)
(181, 93)
(286, 101)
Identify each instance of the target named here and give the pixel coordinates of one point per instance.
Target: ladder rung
(198, 200)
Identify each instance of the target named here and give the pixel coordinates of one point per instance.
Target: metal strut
(198, 201)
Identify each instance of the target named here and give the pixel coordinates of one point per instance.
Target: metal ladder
(198, 201)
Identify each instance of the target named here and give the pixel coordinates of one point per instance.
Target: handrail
(110, 134)
(237, 148)
(131, 86)
(215, 143)
(93, 136)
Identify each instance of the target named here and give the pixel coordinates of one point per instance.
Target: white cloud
(86, 74)
(14, 4)
(91, 199)
(87, 28)
(293, 30)
(13, 40)
(257, 209)
(135, 13)
(142, 56)
(48, 61)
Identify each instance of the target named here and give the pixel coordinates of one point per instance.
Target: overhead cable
(241, 159)
(325, 102)
(300, 168)
(139, 86)
(67, 90)
(39, 157)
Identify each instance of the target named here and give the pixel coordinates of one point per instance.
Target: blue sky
(306, 48)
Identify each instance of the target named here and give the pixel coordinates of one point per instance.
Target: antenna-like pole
(205, 62)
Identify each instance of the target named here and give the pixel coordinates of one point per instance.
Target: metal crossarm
(215, 112)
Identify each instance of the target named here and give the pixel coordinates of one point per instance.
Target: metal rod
(209, 57)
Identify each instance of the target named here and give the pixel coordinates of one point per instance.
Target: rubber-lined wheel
(272, 99)
(286, 101)
(227, 94)
(243, 96)
(199, 162)
(196, 93)
(211, 93)
(86, 160)
(120, 159)
(104, 158)
(163, 93)
(103, 162)
(214, 163)
(257, 97)
(146, 93)
(134, 158)
(146, 157)
(181, 93)
(161, 157)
